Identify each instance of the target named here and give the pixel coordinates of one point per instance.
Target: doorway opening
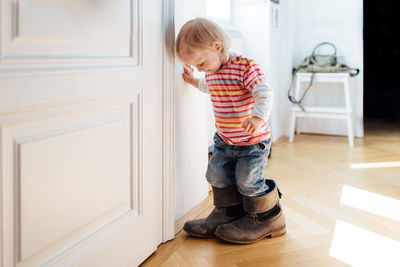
(381, 57)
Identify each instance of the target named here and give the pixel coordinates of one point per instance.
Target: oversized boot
(228, 204)
(264, 218)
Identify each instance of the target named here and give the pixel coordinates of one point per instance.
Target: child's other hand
(187, 74)
(251, 125)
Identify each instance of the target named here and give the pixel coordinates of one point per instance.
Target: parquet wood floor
(340, 209)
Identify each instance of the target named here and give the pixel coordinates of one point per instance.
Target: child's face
(205, 61)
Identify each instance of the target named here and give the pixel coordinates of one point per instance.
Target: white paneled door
(81, 123)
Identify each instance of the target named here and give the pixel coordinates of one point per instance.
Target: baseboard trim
(193, 213)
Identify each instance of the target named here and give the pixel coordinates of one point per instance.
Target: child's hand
(187, 75)
(251, 125)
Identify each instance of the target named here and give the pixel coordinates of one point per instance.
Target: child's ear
(217, 46)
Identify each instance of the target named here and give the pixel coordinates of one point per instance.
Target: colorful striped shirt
(233, 95)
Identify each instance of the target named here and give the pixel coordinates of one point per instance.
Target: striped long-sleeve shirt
(238, 91)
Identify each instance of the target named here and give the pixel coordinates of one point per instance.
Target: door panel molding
(29, 240)
(32, 43)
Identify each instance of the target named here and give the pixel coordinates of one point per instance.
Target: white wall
(301, 25)
(282, 44)
(191, 131)
(339, 22)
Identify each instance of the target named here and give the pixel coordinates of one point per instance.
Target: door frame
(168, 138)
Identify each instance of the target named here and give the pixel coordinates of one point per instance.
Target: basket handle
(322, 44)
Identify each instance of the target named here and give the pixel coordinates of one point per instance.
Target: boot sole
(201, 236)
(275, 233)
(197, 235)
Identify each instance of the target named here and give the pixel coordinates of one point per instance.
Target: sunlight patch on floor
(359, 247)
(370, 165)
(374, 203)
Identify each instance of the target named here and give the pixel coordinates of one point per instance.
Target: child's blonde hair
(199, 33)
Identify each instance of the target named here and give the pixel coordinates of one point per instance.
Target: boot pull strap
(279, 193)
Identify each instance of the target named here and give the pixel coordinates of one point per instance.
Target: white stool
(323, 112)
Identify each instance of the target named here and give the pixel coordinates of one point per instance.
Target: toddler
(247, 206)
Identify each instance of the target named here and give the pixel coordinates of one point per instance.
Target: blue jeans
(243, 166)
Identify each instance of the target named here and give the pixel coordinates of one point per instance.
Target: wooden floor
(340, 210)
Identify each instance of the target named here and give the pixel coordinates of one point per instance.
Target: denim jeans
(242, 166)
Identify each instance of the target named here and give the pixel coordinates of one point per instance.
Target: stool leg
(350, 112)
(350, 130)
(297, 127)
(292, 126)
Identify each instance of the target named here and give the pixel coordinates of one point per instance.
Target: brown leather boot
(264, 218)
(228, 207)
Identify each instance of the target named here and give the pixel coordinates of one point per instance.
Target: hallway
(341, 207)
